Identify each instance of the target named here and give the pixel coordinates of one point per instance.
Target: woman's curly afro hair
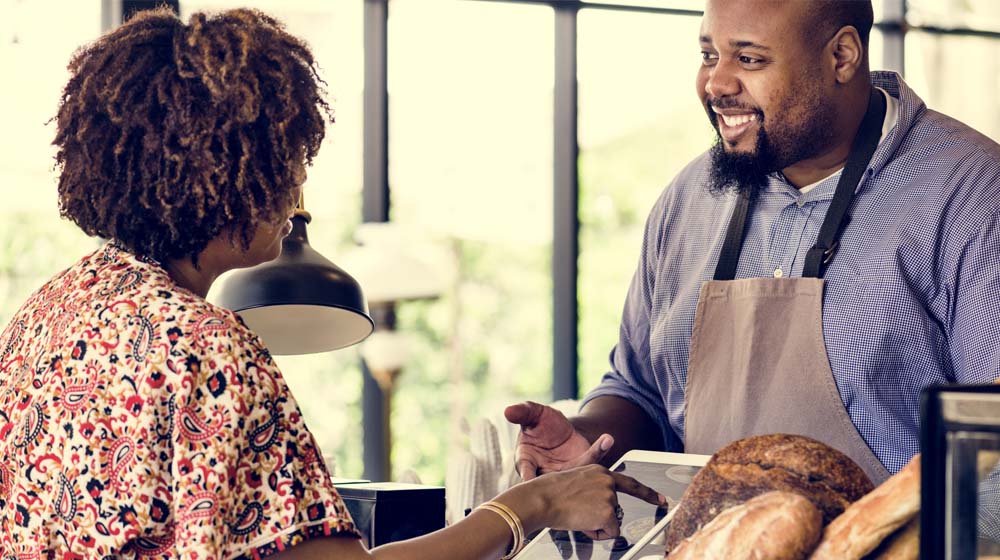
(171, 134)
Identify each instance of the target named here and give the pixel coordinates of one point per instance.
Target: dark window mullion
(893, 27)
(375, 191)
(375, 208)
(111, 14)
(566, 222)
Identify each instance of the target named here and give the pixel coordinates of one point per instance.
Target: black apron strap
(862, 149)
(733, 245)
(857, 163)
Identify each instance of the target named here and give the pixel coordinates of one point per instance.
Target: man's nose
(722, 81)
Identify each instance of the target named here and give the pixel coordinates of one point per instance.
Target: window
(694, 5)
(35, 48)
(955, 14)
(958, 75)
(470, 160)
(640, 122)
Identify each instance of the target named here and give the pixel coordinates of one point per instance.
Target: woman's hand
(581, 499)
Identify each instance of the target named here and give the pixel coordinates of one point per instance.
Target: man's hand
(548, 442)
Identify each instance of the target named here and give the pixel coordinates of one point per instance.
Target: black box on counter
(386, 512)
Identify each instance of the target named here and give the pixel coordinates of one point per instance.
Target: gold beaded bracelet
(513, 521)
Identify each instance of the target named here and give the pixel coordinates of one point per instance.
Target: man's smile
(734, 123)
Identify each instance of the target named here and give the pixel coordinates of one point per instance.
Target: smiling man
(772, 101)
(835, 251)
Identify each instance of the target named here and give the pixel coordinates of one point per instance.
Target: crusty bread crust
(771, 526)
(750, 467)
(864, 524)
(904, 544)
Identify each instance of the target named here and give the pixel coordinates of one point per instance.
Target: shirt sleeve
(248, 478)
(631, 376)
(973, 280)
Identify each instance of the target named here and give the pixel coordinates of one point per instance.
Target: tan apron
(758, 363)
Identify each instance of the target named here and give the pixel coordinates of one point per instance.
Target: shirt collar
(909, 109)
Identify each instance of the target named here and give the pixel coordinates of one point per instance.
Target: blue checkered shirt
(912, 297)
(989, 506)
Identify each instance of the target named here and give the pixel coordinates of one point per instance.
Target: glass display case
(960, 496)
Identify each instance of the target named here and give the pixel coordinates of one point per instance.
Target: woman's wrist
(529, 501)
(513, 521)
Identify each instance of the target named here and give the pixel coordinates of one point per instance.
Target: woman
(137, 419)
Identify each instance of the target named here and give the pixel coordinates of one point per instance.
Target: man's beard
(748, 173)
(743, 173)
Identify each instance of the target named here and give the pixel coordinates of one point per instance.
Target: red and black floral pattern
(139, 420)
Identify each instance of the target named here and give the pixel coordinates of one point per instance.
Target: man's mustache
(728, 103)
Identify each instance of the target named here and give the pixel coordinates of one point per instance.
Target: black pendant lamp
(299, 303)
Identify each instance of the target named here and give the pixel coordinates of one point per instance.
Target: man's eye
(751, 60)
(708, 57)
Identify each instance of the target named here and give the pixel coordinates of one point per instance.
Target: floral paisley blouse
(139, 420)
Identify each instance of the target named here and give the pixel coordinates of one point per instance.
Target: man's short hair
(826, 17)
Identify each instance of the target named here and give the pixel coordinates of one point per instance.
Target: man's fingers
(527, 469)
(526, 414)
(595, 453)
(612, 528)
(632, 487)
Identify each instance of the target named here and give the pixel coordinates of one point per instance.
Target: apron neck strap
(733, 245)
(857, 163)
(864, 145)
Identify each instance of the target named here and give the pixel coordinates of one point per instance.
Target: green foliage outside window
(35, 245)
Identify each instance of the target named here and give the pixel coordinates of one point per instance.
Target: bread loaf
(756, 465)
(771, 526)
(864, 525)
(904, 544)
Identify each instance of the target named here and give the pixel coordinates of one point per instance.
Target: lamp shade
(299, 303)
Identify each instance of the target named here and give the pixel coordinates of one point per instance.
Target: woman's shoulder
(199, 325)
(140, 297)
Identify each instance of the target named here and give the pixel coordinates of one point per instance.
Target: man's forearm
(631, 427)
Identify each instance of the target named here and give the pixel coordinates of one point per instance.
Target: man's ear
(846, 53)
